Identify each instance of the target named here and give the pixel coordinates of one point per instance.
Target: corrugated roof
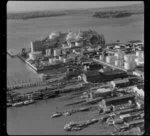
(92, 73)
(114, 72)
(118, 98)
(125, 80)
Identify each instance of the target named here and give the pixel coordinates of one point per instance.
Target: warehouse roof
(92, 73)
(113, 99)
(113, 72)
(125, 80)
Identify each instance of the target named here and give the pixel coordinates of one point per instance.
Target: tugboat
(57, 114)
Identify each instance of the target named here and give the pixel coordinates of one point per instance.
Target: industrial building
(120, 83)
(102, 92)
(115, 101)
(96, 77)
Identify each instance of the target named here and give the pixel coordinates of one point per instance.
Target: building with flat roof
(120, 83)
(115, 101)
(95, 76)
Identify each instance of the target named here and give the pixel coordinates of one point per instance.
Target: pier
(24, 84)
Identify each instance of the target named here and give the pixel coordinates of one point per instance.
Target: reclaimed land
(107, 12)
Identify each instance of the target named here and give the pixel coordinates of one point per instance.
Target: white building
(54, 35)
(140, 92)
(35, 55)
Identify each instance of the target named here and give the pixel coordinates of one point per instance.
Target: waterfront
(31, 119)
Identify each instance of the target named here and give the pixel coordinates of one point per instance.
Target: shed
(116, 101)
(120, 83)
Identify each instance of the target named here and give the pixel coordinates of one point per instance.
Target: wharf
(21, 58)
(43, 68)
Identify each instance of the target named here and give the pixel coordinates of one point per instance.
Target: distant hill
(130, 9)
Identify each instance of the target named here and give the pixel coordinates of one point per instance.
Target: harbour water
(35, 119)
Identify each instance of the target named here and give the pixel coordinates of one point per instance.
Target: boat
(17, 104)
(67, 127)
(76, 128)
(84, 108)
(57, 114)
(67, 113)
(28, 102)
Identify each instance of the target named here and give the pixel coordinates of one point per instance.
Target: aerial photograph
(75, 68)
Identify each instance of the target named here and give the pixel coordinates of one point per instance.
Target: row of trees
(111, 14)
(29, 15)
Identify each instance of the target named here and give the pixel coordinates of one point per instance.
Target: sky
(17, 6)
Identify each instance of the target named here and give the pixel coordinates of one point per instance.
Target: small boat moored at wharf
(57, 114)
(17, 104)
(84, 108)
(29, 102)
(22, 103)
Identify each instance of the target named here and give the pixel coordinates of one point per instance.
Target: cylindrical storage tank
(79, 43)
(110, 59)
(45, 52)
(129, 58)
(129, 65)
(56, 52)
(139, 61)
(49, 52)
(119, 55)
(64, 60)
(60, 58)
(101, 57)
(118, 63)
(140, 54)
(50, 60)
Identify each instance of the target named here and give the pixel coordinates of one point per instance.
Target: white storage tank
(56, 52)
(139, 61)
(64, 60)
(119, 54)
(60, 58)
(110, 59)
(129, 57)
(48, 52)
(50, 60)
(129, 65)
(79, 43)
(140, 54)
(119, 62)
(101, 57)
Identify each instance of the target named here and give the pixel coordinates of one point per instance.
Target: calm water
(35, 119)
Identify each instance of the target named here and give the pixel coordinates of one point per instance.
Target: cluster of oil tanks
(128, 61)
